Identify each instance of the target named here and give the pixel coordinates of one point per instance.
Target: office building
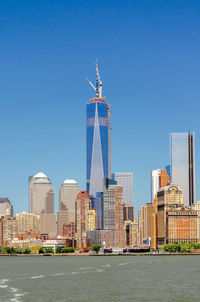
(62, 218)
(67, 197)
(6, 207)
(92, 220)
(181, 226)
(196, 207)
(128, 212)
(98, 143)
(159, 178)
(48, 225)
(183, 165)
(113, 209)
(126, 181)
(41, 195)
(102, 237)
(130, 233)
(164, 178)
(155, 183)
(168, 198)
(99, 209)
(82, 207)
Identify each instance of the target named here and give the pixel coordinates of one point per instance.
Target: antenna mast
(99, 85)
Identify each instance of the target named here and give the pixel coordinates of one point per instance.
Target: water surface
(118, 278)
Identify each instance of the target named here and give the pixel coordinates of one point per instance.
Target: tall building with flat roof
(98, 140)
(125, 179)
(183, 164)
(155, 183)
(169, 198)
(113, 209)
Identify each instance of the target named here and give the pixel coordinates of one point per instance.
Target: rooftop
(40, 175)
(69, 181)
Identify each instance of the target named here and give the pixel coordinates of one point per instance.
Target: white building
(125, 179)
(155, 183)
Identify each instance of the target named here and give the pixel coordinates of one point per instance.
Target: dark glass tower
(98, 140)
(183, 165)
(97, 144)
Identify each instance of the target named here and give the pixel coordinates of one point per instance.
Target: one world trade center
(98, 139)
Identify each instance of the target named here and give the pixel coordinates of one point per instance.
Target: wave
(37, 277)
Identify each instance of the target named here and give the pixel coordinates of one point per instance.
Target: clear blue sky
(148, 53)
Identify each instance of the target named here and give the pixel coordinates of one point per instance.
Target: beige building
(141, 224)
(48, 225)
(27, 222)
(113, 210)
(41, 195)
(168, 198)
(8, 229)
(149, 210)
(130, 233)
(62, 218)
(92, 220)
(67, 197)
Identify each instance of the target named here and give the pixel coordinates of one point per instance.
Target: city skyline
(42, 130)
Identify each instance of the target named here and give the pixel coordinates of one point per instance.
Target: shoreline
(95, 255)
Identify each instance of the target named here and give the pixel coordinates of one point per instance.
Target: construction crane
(99, 85)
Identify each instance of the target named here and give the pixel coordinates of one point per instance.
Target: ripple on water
(37, 277)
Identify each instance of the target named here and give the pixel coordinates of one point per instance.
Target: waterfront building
(41, 195)
(8, 229)
(6, 207)
(130, 233)
(103, 237)
(181, 226)
(98, 137)
(141, 225)
(113, 209)
(168, 198)
(196, 207)
(147, 224)
(148, 232)
(27, 222)
(82, 207)
(126, 181)
(48, 225)
(128, 212)
(183, 165)
(69, 231)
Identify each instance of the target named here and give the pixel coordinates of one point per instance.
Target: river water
(117, 278)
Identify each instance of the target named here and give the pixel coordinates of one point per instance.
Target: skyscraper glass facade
(97, 144)
(183, 165)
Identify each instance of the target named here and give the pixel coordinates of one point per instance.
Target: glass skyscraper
(183, 165)
(98, 144)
